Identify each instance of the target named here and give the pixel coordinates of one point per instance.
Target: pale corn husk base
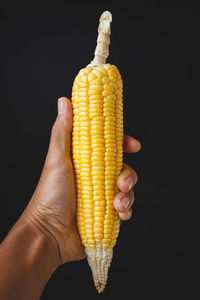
(99, 261)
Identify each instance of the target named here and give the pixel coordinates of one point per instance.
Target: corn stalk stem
(103, 41)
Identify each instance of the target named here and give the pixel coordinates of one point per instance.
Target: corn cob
(97, 150)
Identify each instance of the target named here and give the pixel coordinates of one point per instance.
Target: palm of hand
(54, 205)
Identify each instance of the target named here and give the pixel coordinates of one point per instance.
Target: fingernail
(129, 182)
(137, 144)
(126, 202)
(60, 106)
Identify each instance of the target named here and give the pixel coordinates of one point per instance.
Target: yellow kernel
(96, 97)
(98, 235)
(98, 225)
(106, 241)
(99, 209)
(91, 241)
(99, 219)
(98, 230)
(98, 73)
(106, 93)
(93, 92)
(91, 76)
(106, 80)
(99, 214)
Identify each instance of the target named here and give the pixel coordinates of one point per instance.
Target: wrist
(28, 258)
(37, 233)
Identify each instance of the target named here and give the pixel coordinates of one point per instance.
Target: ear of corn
(97, 148)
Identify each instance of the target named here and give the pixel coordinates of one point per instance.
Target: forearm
(27, 260)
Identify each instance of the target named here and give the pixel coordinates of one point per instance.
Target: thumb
(60, 141)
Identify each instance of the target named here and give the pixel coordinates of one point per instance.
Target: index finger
(130, 144)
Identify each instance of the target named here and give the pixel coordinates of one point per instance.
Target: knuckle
(54, 129)
(57, 126)
(128, 171)
(126, 168)
(58, 166)
(117, 201)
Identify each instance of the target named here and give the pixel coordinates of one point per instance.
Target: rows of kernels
(119, 126)
(85, 158)
(98, 149)
(76, 153)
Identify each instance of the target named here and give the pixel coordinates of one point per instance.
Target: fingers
(61, 132)
(125, 198)
(130, 144)
(127, 179)
(123, 203)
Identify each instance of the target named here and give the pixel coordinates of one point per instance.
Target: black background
(155, 47)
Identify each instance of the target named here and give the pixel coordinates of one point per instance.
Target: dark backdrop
(43, 46)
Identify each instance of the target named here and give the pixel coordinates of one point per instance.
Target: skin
(46, 235)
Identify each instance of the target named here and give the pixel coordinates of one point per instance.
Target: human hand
(53, 205)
